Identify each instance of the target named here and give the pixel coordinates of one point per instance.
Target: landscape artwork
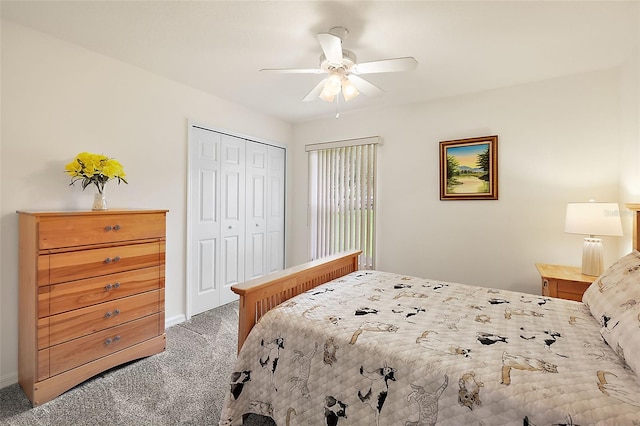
(469, 169)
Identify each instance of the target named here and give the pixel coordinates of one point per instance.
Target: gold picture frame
(469, 169)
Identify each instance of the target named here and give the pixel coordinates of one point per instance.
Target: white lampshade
(593, 219)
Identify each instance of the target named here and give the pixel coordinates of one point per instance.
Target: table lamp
(602, 219)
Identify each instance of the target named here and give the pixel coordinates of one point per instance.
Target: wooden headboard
(636, 224)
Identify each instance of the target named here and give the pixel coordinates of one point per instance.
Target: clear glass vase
(99, 201)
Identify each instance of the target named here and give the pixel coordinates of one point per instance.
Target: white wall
(558, 142)
(630, 140)
(58, 100)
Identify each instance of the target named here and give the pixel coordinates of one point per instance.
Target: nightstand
(565, 282)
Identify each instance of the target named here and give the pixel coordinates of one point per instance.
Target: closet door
(232, 219)
(204, 218)
(275, 209)
(256, 215)
(236, 215)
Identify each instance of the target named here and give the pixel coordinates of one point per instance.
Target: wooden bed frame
(636, 224)
(264, 293)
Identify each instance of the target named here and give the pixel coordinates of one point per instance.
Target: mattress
(377, 348)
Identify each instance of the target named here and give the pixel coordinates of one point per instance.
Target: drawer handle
(109, 340)
(110, 286)
(109, 314)
(116, 228)
(109, 228)
(109, 260)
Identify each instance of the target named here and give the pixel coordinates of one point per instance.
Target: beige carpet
(186, 384)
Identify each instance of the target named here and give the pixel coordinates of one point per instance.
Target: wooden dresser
(91, 295)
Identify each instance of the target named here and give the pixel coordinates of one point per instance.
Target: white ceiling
(462, 47)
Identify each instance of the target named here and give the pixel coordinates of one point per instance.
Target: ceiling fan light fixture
(326, 96)
(333, 84)
(349, 90)
(331, 88)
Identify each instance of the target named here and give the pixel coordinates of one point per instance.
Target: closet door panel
(275, 209)
(232, 222)
(256, 220)
(204, 263)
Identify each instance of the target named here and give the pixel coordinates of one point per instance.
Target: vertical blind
(342, 203)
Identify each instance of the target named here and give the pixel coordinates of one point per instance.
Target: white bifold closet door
(274, 259)
(264, 209)
(232, 218)
(236, 212)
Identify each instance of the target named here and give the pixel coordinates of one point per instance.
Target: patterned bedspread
(376, 348)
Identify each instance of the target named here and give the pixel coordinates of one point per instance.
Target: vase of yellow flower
(97, 169)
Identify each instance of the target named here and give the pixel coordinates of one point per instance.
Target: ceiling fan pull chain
(337, 106)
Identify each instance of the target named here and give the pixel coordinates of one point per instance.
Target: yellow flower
(112, 168)
(73, 168)
(94, 169)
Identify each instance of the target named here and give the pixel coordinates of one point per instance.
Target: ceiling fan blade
(315, 92)
(292, 70)
(385, 65)
(365, 87)
(331, 47)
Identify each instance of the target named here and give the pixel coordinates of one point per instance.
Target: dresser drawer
(85, 349)
(73, 266)
(79, 294)
(81, 322)
(74, 231)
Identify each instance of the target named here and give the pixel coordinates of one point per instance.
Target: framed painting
(469, 169)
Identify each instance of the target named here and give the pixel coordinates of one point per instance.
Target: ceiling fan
(344, 70)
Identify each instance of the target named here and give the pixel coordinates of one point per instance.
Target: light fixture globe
(333, 85)
(349, 90)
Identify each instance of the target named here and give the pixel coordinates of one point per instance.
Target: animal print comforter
(375, 348)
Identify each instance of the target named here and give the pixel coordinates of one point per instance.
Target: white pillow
(614, 300)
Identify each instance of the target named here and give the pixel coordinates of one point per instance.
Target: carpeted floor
(186, 384)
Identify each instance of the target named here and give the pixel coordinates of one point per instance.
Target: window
(342, 188)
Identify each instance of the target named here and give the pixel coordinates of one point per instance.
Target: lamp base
(592, 262)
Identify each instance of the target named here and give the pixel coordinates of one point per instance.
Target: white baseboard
(175, 320)
(8, 380)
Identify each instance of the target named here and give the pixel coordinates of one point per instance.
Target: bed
(326, 344)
